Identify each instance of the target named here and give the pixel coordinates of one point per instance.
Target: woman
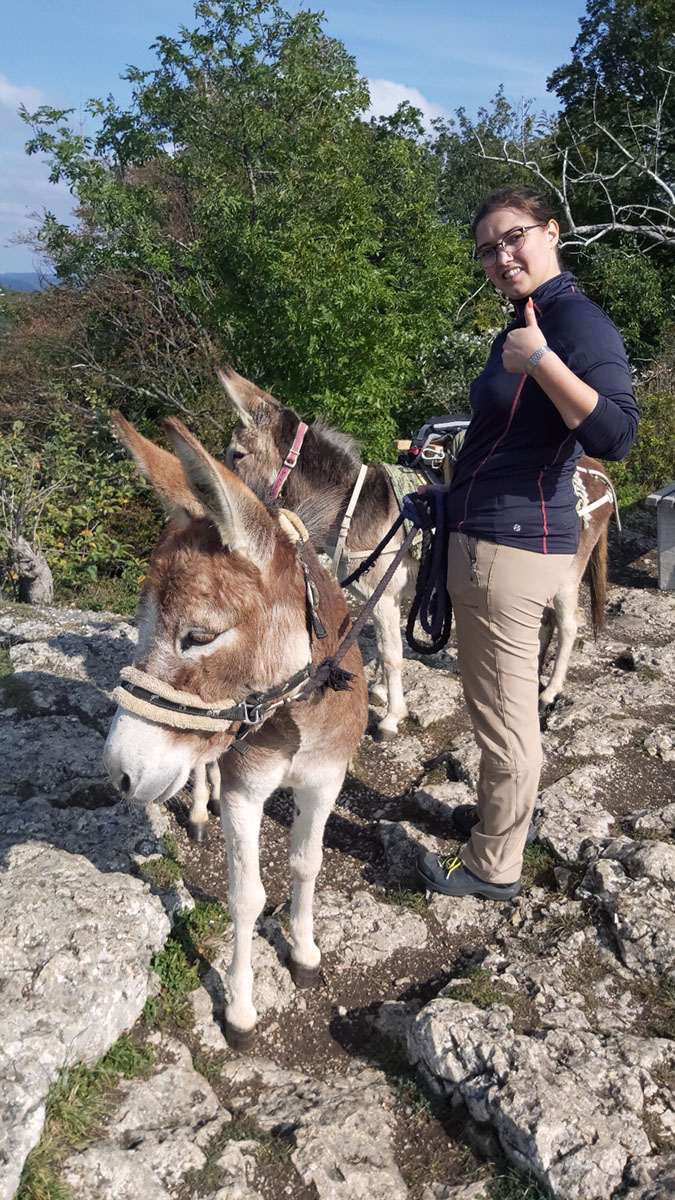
(556, 384)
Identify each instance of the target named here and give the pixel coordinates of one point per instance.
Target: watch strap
(536, 357)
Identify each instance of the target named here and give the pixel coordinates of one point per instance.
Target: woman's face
(518, 272)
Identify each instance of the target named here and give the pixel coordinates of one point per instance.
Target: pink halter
(290, 460)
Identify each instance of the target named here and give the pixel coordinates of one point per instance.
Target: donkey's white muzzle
(144, 761)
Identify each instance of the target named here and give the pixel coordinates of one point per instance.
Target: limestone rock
(75, 948)
(566, 814)
(159, 1129)
(633, 884)
(362, 931)
(562, 1108)
(342, 1126)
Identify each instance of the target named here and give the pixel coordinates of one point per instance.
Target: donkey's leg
(213, 777)
(566, 606)
(387, 625)
(313, 804)
(545, 634)
(199, 817)
(241, 814)
(377, 690)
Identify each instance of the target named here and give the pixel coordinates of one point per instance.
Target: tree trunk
(36, 585)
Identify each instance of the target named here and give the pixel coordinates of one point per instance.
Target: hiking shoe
(452, 878)
(465, 816)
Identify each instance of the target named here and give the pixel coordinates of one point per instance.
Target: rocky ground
(452, 1050)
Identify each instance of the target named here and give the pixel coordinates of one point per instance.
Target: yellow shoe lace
(450, 864)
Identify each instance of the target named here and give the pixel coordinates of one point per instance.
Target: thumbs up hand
(521, 343)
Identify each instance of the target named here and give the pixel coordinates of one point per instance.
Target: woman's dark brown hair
(515, 197)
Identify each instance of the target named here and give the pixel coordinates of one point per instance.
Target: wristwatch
(536, 357)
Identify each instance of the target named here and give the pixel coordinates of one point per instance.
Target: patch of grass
(400, 1075)
(658, 1000)
(648, 673)
(568, 922)
(437, 774)
(478, 987)
(14, 691)
(171, 847)
(588, 970)
(282, 915)
(270, 1148)
(659, 1143)
(538, 864)
(161, 871)
(199, 928)
(76, 1106)
(209, 1065)
(406, 898)
(183, 961)
(515, 1185)
(178, 977)
(102, 595)
(646, 834)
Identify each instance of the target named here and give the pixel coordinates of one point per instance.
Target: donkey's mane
(340, 443)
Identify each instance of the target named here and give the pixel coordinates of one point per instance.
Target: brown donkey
(320, 485)
(225, 647)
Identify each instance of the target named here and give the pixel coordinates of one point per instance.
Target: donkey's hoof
(376, 699)
(197, 831)
(240, 1040)
(380, 734)
(304, 977)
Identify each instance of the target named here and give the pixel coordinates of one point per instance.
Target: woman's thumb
(530, 315)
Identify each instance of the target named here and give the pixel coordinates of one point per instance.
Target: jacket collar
(547, 292)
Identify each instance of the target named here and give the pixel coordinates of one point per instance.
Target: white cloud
(12, 96)
(385, 97)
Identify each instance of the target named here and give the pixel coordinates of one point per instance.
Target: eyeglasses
(511, 242)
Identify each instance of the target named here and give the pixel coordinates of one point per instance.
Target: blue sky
(438, 53)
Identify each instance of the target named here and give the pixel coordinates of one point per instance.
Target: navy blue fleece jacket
(512, 482)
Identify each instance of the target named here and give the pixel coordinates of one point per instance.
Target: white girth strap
(608, 498)
(347, 520)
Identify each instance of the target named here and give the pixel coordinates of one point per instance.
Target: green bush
(77, 499)
(651, 462)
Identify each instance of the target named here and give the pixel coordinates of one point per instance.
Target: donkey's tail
(597, 578)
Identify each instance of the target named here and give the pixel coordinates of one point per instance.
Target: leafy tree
(623, 53)
(241, 209)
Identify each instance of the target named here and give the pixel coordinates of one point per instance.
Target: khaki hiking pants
(498, 595)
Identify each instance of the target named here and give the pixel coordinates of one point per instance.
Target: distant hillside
(23, 281)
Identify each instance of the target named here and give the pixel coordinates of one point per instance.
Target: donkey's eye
(197, 637)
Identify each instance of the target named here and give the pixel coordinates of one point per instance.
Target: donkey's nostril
(124, 785)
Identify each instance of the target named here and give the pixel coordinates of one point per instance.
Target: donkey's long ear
(240, 518)
(160, 468)
(252, 405)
